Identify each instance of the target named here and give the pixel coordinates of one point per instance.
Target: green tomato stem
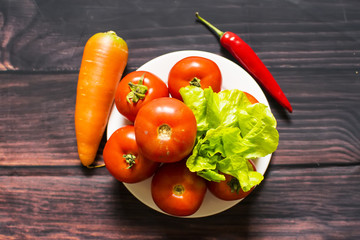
(137, 91)
(234, 185)
(130, 159)
(195, 82)
(178, 190)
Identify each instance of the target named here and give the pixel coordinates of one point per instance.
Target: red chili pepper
(251, 62)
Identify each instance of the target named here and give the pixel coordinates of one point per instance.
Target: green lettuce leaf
(218, 152)
(231, 131)
(196, 100)
(214, 109)
(258, 128)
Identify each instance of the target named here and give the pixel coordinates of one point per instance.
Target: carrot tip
(96, 166)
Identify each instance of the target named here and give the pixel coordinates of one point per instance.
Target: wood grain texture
(37, 124)
(37, 119)
(81, 206)
(43, 35)
(311, 188)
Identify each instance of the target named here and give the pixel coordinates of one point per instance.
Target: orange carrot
(104, 59)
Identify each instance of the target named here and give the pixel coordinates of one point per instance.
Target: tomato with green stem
(176, 190)
(122, 158)
(135, 90)
(194, 71)
(165, 130)
(230, 188)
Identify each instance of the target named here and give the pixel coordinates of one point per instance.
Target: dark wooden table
(312, 187)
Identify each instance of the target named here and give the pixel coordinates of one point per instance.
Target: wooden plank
(37, 125)
(325, 116)
(37, 119)
(310, 203)
(43, 36)
(311, 188)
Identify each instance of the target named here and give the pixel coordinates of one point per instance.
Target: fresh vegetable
(136, 89)
(194, 71)
(251, 62)
(122, 158)
(104, 59)
(251, 98)
(230, 188)
(176, 190)
(231, 130)
(165, 130)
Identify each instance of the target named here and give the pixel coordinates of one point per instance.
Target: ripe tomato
(197, 71)
(123, 160)
(165, 130)
(176, 190)
(229, 189)
(251, 98)
(136, 89)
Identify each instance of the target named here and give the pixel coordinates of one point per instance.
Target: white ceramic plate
(233, 77)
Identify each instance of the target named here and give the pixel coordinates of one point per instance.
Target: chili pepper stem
(250, 61)
(212, 27)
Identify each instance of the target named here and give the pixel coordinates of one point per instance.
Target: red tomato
(131, 94)
(194, 70)
(251, 98)
(225, 189)
(176, 190)
(123, 160)
(165, 130)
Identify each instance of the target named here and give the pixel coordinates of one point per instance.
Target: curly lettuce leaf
(258, 128)
(218, 152)
(231, 131)
(214, 109)
(196, 100)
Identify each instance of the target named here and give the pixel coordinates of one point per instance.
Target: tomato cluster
(163, 134)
